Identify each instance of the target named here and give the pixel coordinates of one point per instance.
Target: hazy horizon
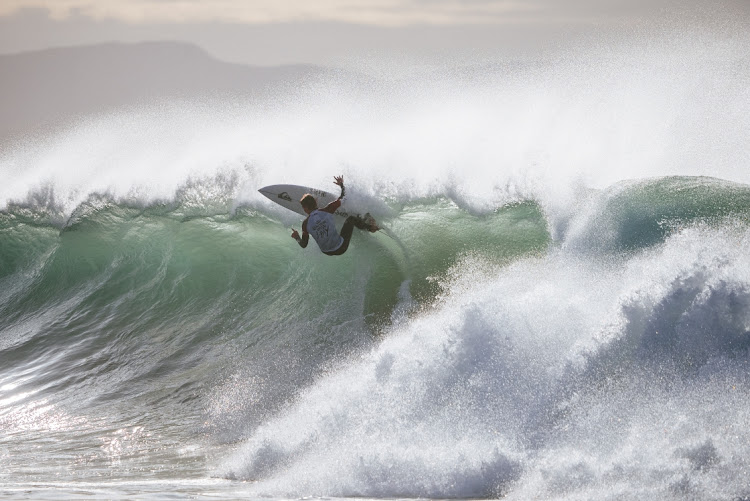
(290, 32)
(384, 37)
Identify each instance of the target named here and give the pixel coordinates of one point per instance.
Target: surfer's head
(308, 202)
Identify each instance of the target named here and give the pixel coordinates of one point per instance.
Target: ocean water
(564, 312)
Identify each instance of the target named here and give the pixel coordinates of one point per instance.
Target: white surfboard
(289, 195)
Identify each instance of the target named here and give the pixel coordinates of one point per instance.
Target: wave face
(563, 310)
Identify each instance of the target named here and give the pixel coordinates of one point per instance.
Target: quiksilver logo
(285, 196)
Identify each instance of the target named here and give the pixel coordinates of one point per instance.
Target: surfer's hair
(308, 202)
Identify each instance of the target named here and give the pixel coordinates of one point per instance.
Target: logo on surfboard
(285, 196)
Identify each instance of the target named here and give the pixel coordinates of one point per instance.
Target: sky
(269, 32)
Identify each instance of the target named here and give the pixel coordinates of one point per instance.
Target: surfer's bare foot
(370, 222)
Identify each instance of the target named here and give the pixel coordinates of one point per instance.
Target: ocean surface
(563, 311)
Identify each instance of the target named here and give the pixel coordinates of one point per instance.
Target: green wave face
(116, 281)
(117, 276)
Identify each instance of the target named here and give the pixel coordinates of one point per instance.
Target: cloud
(364, 12)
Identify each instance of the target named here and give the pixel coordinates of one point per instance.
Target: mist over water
(476, 129)
(564, 313)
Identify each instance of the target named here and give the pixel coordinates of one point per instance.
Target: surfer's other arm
(302, 241)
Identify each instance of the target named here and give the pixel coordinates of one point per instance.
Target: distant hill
(44, 88)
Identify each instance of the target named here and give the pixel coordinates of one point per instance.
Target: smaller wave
(635, 215)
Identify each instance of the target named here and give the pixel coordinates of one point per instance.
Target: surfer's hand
(295, 235)
(339, 180)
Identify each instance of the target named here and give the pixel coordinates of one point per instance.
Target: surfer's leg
(346, 233)
(348, 228)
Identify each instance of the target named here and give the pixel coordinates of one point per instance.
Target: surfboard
(289, 195)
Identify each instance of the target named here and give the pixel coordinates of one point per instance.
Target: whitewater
(566, 314)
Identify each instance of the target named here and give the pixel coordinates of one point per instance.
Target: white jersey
(322, 227)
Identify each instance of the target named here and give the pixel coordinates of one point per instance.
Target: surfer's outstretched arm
(339, 181)
(333, 206)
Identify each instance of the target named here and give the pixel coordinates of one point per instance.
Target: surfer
(320, 224)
